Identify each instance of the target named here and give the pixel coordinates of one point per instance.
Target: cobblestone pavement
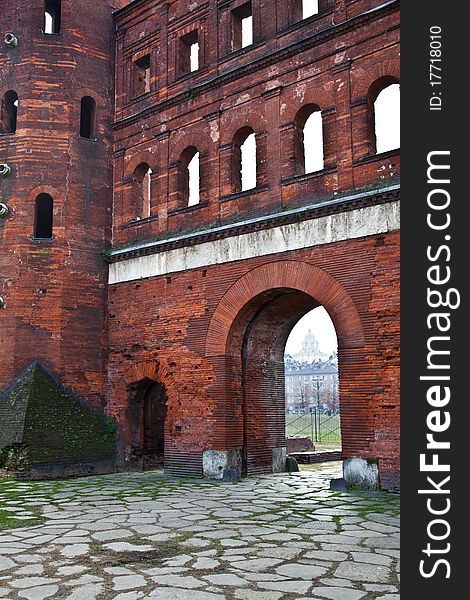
(139, 536)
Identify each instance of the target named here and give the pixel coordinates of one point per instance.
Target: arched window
(87, 117)
(52, 15)
(189, 177)
(384, 110)
(43, 217)
(244, 160)
(9, 112)
(308, 140)
(142, 191)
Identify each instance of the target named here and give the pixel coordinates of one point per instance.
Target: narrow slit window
(248, 163)
(247, 32)
(147, 192)
(194, 181)
(43, 218)
(142, 191)
(387, 119)
(313, 143)
(9, 112)
(52, 16)
(194, 61)
(142, 75)
(189, 53)
(242, 27)
(87, 117)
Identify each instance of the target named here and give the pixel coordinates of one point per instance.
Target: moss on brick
(52, 423)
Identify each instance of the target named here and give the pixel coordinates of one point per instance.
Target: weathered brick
(169, 328)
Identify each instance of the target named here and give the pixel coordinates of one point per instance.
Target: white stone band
(337, 227)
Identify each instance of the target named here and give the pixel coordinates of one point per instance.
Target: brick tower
(56, 90)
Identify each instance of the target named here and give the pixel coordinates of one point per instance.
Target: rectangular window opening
(142, 75)
(242, 27)
(189, 53)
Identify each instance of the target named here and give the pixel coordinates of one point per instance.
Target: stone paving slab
(142, 536)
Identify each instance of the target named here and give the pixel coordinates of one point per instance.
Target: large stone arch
(246, 340)
(148, 369)
(287, 274)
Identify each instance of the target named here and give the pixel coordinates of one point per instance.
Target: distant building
(312, 386)
(309, 351)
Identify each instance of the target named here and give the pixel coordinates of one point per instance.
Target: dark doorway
(149, 413)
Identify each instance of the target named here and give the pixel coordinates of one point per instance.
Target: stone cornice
(312, 211)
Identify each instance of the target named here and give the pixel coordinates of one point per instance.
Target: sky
(318, 320)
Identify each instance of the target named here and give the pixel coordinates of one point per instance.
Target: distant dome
(309, 350)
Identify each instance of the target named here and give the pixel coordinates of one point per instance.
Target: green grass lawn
(324, 430)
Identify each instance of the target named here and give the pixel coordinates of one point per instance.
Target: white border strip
(361, 222)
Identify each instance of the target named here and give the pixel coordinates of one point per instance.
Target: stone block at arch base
(361, 474)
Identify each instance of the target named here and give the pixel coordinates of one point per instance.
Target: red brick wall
(264, 86)
(55, 290)
(164, 328)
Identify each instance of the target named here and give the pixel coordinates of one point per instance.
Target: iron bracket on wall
(10, 40)
(5, 170)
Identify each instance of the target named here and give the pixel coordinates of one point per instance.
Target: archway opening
(313, 427)
(148, 410)
(256, 349)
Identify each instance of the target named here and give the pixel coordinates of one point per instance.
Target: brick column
(225, 162)
(340, 11)
(340, 73)
(118, 196)
(273, 150)
(162, 53)
(212, 163)
(120, 94)
(160, 199)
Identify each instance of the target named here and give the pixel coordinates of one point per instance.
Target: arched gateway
(220, 359)
(246, 338)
